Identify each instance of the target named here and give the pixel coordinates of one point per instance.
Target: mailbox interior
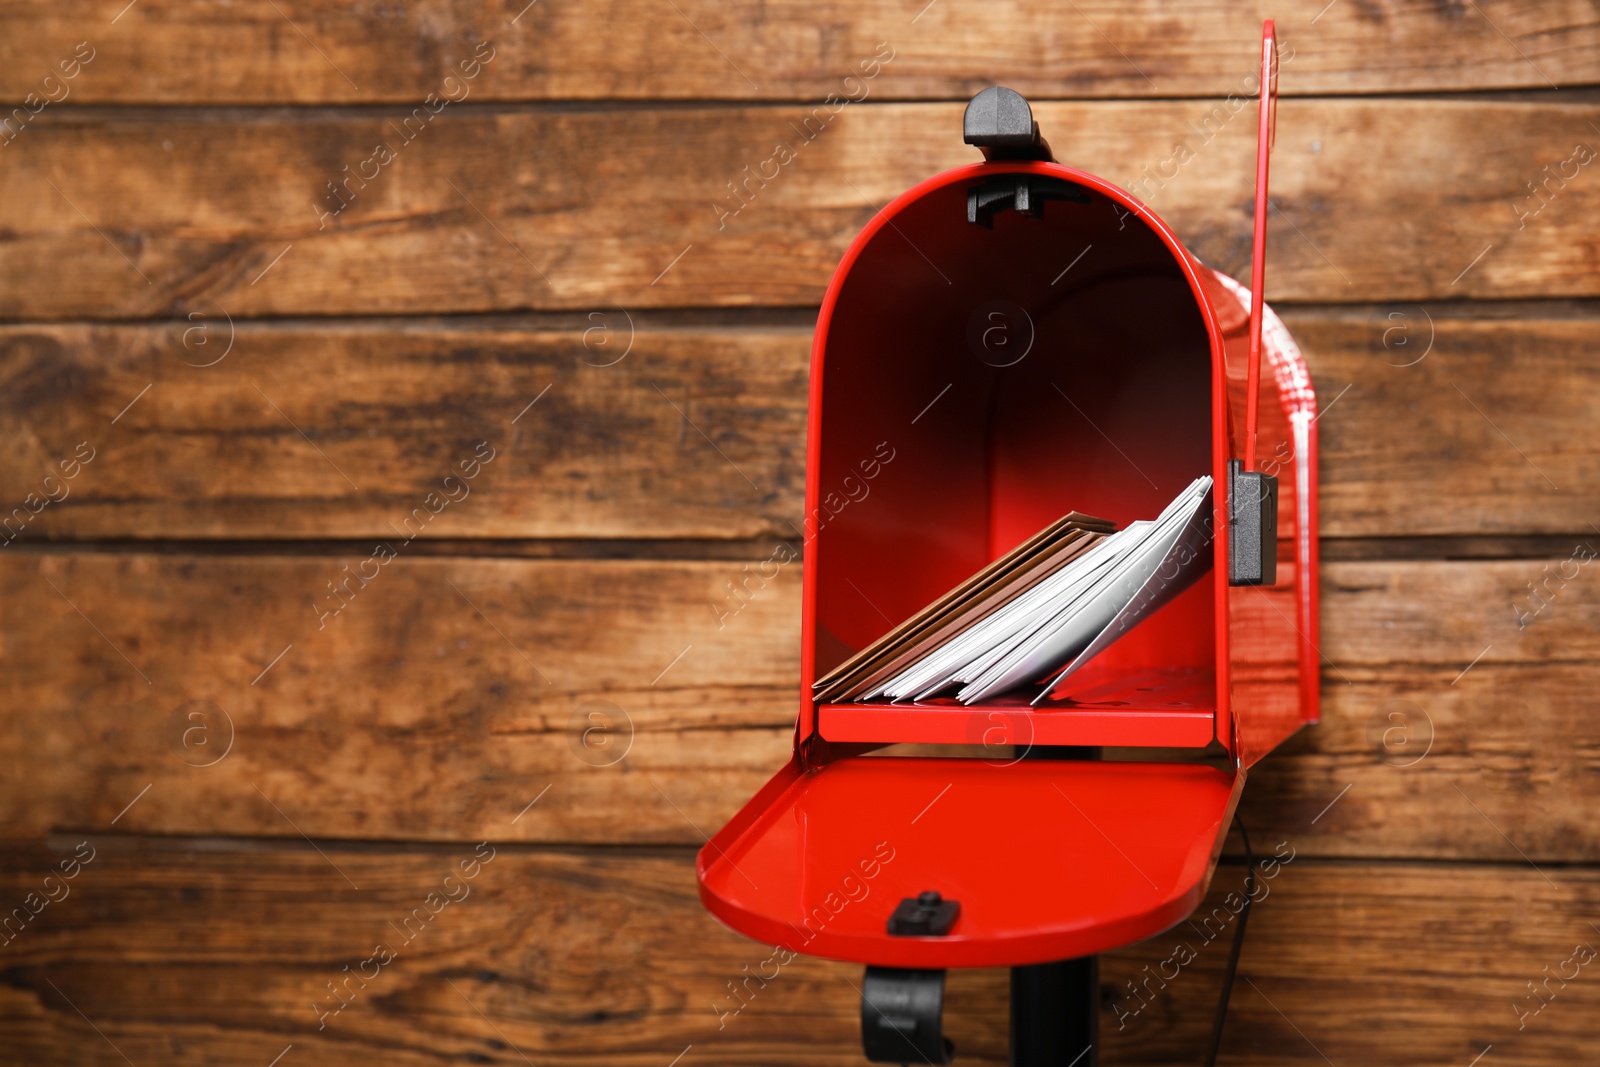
(977, 384)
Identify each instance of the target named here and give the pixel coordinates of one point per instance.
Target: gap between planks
(1439, 548)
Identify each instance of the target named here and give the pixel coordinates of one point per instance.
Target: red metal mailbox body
(1117, 375)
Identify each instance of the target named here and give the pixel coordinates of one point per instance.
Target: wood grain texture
(410, 716)
(252, 368)
(1437, 423)
(1442, 421)
(223, 954)
(307, 431)
(319, 51)
(133, 214)
(1404, 763)
(474, 712)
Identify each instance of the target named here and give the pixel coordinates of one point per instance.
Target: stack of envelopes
(1037, 613)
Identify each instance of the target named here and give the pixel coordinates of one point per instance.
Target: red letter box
(1004, 343)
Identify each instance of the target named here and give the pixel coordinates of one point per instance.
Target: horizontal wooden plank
(227, 955)
(1416, 763)
(595, 430)
(1437, 423)
(319, 51)
(651, 704)
(129, 214)
(487, 672)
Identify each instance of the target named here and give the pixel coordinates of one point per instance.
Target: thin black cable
(1238, 944)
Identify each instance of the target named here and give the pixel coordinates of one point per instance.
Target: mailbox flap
(1047, 859)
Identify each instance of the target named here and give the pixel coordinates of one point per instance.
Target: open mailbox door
(1002, 344)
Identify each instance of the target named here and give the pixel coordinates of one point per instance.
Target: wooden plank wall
(221, 383)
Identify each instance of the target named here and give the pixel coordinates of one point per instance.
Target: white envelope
(938, 668)
(1075, 628)
(1185, 563)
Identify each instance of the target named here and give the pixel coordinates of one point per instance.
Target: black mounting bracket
(901, 1009)
(900, 1016)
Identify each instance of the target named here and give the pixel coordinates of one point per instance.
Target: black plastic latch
(1000, 123)
(927, 914)
(1024, 193)
(900, 1016)
(1252, 526)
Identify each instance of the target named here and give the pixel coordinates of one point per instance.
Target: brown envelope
(974, 599)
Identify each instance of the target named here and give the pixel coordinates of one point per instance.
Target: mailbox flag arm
(1266, 125)
(1252, 495)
